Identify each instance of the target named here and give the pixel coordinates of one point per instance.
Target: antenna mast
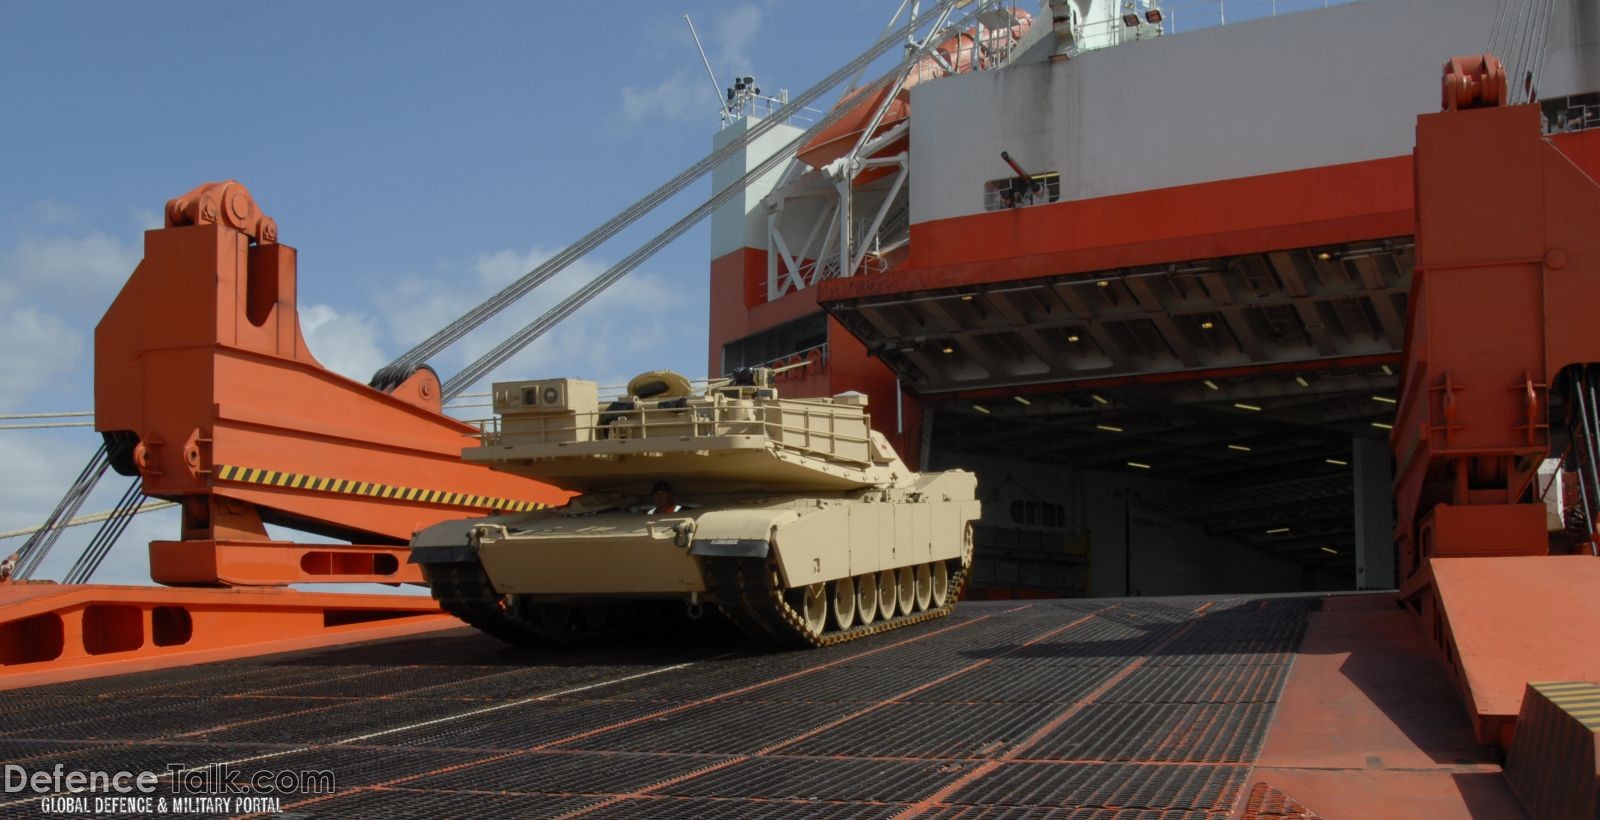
(716, 87)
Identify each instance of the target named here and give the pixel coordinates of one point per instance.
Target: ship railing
(1202, 14)
(762, 106)
(818, 428)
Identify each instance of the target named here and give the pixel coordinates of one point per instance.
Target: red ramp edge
(1508, 621)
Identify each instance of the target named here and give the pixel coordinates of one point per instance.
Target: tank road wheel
(595, 616)
(554, 620)
(924, 591)
(815, 608)
(888, 594)
(844, 603)
(906, 585)
(867, 598)
(941, 583)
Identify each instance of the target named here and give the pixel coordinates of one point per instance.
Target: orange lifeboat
(957, 52)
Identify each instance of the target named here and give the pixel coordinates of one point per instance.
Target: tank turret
(792, 516)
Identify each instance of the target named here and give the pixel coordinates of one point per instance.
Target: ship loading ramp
(1133, 708)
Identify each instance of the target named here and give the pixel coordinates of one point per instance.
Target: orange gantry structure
(205, 389)
(1500, 324)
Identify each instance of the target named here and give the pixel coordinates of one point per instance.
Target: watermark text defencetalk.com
(213, 788)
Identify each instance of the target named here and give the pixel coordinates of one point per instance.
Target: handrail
(700, 420)
(1206, 14)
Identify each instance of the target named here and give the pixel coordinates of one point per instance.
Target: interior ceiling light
(1211, 384)
(1381, 426)
(1324, 256)
(1105, 283)
(966, 297)
(1099, 398)
(948, 349)
(1337, 462)
(981, 409)
(1139, 465)
(1207, 325)
(1330, 550)
(1384, 399)
(1022, 400)
(1387, 371)
(1242, 406)
(1301, 380)
(1240, 447)
(1277, 531)
(1109, 428)
(1073, 338)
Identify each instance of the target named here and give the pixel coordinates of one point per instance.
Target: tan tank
(790, 515)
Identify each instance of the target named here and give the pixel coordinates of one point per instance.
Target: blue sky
(419, 155)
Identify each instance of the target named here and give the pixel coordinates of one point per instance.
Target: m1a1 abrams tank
(792, 516)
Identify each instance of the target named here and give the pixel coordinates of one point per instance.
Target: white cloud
(733, 34)
(682, 97)
(145, 219)
(685, 95)
(346, 342)
(52, 285)
(38, 351)
(80, 272)
(51, 212)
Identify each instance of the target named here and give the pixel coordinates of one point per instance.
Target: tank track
(463, 590)
(747, 591)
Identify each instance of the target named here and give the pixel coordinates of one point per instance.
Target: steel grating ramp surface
(1144, 708)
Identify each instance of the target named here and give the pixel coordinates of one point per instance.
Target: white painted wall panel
(742, 222)
(1318, 88)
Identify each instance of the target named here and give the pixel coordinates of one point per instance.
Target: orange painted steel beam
(51, 633)
(201, 359)
(244, 563)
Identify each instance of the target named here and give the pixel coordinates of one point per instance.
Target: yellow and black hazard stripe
(346, 486)
(1579, 699)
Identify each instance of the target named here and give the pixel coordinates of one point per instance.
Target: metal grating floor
(1026, 710)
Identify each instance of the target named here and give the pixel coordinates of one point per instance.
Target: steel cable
(564, 258)
(469, 375)
(104, 538)
(41, 542)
